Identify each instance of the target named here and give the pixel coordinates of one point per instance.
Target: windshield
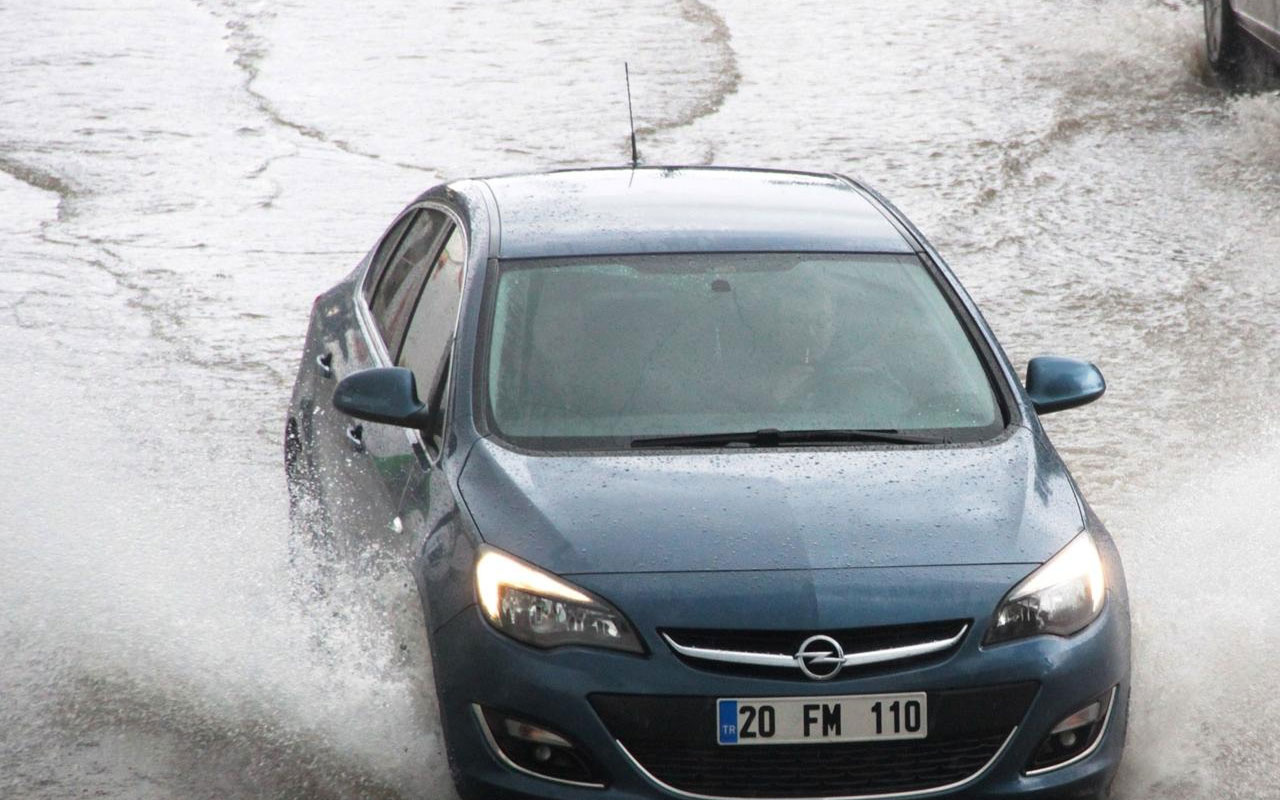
(598, 352)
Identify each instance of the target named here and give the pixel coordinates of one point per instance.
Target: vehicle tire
(1224, 46)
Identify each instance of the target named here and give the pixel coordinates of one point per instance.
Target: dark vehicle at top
(1232, 27)
(714, 484)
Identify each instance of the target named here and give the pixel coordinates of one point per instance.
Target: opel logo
(820, 657)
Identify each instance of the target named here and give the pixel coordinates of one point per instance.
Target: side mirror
(385, 394)
(1056, 384)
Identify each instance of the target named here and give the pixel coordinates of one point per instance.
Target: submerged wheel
(1223, 45)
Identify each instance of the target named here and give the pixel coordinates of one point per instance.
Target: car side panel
(443, 542)
(358, 467)
(324, 360)
(438, 532)
(389, 499)
(1272, 20)
(311, 382)
(1261, 19)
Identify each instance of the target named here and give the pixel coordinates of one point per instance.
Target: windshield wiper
(772, 437)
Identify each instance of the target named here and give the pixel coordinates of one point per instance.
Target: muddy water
(179, 179)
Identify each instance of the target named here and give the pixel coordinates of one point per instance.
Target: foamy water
(178, 181)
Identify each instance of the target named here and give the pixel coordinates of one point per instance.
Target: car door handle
(355, 435)
(325, 362)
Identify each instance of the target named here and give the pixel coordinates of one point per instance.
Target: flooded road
(179, 178)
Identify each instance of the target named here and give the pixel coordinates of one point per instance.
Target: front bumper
(475, 665)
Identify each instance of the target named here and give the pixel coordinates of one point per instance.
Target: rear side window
(426, 345)
(385, 248)
(402, 280)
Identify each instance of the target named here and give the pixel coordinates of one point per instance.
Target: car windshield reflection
(610, 350)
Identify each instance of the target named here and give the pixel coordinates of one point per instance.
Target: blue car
(714, 484)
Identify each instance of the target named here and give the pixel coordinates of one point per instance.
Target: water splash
(1200, 557)
(174, 643)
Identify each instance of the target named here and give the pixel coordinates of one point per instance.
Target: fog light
(532, 733)
(1075, 737)
(1085, 716)
(536, 750)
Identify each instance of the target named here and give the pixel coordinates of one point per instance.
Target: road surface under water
(179, 178)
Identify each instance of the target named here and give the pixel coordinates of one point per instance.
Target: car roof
(613, 211)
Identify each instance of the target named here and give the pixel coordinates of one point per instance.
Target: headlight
(542, 610)
(1061, 597)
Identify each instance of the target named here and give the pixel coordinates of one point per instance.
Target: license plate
(810, 720)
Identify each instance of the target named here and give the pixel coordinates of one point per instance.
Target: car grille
(852, 640)
(673, 739)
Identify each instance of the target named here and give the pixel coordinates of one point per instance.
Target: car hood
(1006, 502)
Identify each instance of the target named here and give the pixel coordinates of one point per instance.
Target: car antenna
(635, 158)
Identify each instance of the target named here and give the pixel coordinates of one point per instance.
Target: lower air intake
(673, 740)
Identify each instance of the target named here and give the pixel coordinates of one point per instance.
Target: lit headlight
(542, 610)
(1064, 595)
